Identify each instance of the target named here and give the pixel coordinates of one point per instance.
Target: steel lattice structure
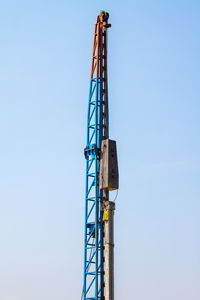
(97, 130)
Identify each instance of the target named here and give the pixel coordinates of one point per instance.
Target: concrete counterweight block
(109, 176)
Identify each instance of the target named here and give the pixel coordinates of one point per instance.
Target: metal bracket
(92, 150)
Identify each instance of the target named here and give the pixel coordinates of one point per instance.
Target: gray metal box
(109, 176)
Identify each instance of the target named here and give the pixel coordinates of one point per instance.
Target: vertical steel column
(109, 249)
(93, 260)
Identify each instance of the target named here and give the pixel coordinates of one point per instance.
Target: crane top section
(99, 54)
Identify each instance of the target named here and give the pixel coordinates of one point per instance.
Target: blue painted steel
(93, 244)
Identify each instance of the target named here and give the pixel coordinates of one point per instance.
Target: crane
(101, 177)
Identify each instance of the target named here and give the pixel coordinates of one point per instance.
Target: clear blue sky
(154, 74)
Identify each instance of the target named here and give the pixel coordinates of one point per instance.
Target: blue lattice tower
(97, 130)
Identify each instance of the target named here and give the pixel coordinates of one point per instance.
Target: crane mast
(97, 168)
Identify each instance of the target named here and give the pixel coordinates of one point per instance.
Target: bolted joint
(92, 151)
